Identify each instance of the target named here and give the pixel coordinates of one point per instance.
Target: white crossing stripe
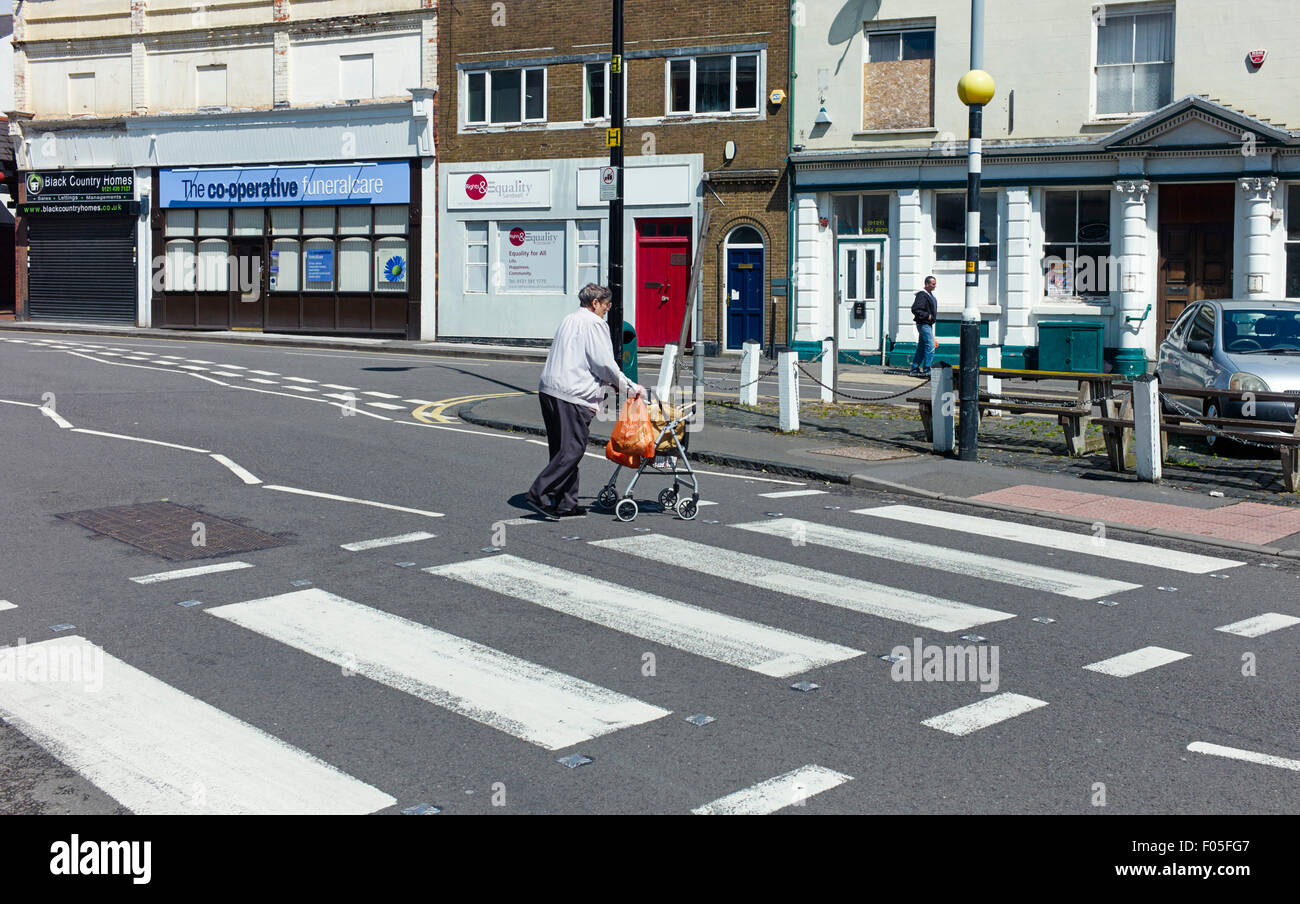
(528, 519)
(1127, 664)
(180, 573)
(705, 501)
(239, 471)
(6, 605)
(337, 386)
(1260, 624)
(303, 388)
(260, 380)
(775, 793)
(136, 358)
(790, 494)
(419, 401)
(221, 373)
(54, 416)
(1085, 543)
(382, 505)
(151, 747)
(713, 635)
(1249, 756)
(537, 704)
(265, 373)
(341, 396)
(986, 712)
(301, 380)
(232, 366)
(385, 406)
(199, 361)
(361, 545)
(955, 561)
(918, 609)
(192, 367)
(381, 395)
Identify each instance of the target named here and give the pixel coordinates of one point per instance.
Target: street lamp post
(975, 89)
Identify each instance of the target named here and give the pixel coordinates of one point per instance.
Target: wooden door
(663, 270)
(1195, 264)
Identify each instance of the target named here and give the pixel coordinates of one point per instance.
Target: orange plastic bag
(627, 461)
(634, 434)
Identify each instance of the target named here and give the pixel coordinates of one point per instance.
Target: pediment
(1195, 122)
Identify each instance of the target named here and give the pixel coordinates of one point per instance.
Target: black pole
(969, 385)
(615, 140)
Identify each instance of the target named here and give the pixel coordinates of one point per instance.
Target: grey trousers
(567, 428)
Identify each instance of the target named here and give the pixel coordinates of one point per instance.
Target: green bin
(1071, 345)
(629, 351)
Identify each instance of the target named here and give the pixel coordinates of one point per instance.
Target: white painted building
(1134, 162)
(165, 138)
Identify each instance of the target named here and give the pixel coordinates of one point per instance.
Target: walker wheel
(687, 509)
(626, 510)
(606, 497)
(668, 497)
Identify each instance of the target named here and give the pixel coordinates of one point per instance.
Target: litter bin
(629, 351)
(1071, 345)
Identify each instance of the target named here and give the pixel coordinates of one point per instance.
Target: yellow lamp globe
(975, 88)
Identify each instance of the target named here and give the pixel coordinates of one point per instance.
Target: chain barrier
(1194, 417)
(863, 398)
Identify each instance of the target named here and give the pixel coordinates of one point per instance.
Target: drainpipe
(789, 200)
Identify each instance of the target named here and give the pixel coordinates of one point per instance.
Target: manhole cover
(172, 531)
(867, 453)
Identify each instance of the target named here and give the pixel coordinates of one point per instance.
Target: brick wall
(547, 28)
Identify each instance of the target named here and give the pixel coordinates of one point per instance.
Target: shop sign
(534, 257)
(81, 208)
(286, 186)
(530, 188)
(44, 186)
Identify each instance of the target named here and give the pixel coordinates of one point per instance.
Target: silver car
(1251, 346)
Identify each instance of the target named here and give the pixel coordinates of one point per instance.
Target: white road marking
(150, 746)
(1260, 624)
(303, 388)
(5, 605)
(459, 430)
(190, 572)
(705, 501)
(531, 519)
(137, 439)
(136, 358)
(386, 406)
(54, 416)
(1133, 663)
(539, 705)
(955, 561)
(382, 505)
(713, 635)
(260, 380)
(418, 401)
(232, 367)
(793, 483)
(1084, 543)
(171, 357)
(301, 380)
(23, 404)
(1249, 756)
(337, 386)
(242, 473)
(341, 396)
(988, 711)
(361, 545)
(775, 793)
(891, 603)
(380, 395)
(192, 367)
(265, 373)
(105, 354)
(222, 373)
(790, 494)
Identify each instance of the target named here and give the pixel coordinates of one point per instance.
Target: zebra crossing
(150, 745)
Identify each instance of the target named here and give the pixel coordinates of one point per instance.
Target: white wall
(48, 83)
(173, 76)
(314, 66)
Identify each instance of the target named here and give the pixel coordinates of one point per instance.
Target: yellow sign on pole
(616, 64)
(613, 138)
(970, 266)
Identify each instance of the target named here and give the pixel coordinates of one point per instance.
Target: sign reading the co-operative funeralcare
(527, 188)
(288, 186)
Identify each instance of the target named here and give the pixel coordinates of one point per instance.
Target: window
(354, 220)
(318, 221)
(476, 257)
(1203, 325)
(390, 265)
(285, 264)
(1076, 249)
(862, 214)
(210, 86)
(1135, 63)
(1293, 241)
(713, 84)
(588, 252)
(950, 227)
(249, 221)
(81, 92)
(1181, 324)
(318, 265)
(898, 80)
(505, 97)
(596, 94)
(213, 263)
(357, 76)
(354, 265)
(390, 219)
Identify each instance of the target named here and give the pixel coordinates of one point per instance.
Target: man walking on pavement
(925, 310)
(580, 362)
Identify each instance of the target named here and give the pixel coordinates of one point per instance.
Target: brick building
(522, 113)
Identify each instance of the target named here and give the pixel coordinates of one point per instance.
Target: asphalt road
(455, 670)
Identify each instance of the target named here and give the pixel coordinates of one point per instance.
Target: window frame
(992, 194)
(760, 80)
(1128, 11)
(1288, 244)
(488, 75)
(1077, 244)
(486, 264)
(931, 30)
(609, 94)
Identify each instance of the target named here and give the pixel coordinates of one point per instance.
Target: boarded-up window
(357, 76)
(81, 92)
(898, 81)
(210, 86)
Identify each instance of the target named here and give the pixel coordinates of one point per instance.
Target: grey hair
(592, 293)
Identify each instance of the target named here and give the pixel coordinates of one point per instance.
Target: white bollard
(788, 380)
(1146, 427)
(666, 370)
(994, 383)
(749, 373)
(828, 369)
(943, 408)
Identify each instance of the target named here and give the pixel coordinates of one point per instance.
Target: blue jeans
(924, 356)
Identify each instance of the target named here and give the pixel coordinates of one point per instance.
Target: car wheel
(1214, 408)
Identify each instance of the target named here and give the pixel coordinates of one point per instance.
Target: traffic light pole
(615, 140)
(969, 385)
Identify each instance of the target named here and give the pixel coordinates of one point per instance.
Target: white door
(858, 298)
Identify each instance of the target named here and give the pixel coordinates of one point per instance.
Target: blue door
(744, 296)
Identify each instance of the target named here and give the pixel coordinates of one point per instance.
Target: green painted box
(1071, 345)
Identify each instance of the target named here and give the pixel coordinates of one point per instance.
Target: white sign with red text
(487, 190)
(532, 257)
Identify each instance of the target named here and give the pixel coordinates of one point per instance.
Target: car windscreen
(1261, 332)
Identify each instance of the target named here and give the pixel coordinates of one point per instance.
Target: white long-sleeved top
(581, 360)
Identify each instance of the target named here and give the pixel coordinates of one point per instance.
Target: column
(910, 275)
(280, 54)
(810, 296)
(1021, 262)
(1259, 225)
(1131, 359)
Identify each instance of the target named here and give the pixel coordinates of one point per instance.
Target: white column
(139, 65)
(994, 384)
(811, 299)
(910, 260)
(749, 372)
(788, 381)
(1133, 267)
(828, 369)
(667, 368)
(1146, 427)
(1259, 225)
(1021, 264)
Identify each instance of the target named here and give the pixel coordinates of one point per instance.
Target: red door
(663, 268)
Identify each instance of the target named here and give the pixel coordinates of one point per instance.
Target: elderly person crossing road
(580, 363)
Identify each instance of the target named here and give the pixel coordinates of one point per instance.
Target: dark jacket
(925, 309)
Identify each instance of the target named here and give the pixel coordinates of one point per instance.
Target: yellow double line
(433, 412)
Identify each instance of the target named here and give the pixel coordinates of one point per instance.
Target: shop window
(505, 96)
(476, 257)
(213, 270)
(862, 214)
(179, 222)
(391, 265)
(354, 265)
(318, 221)
(178, 266)
(1293, 241)
(285, 220)
(249, 221)
(1135, 62)
(713, 84)
(1076, 249)
(950, 227)
(214, 221)
(390, 220)
(898, 80)
(354, 220)
(318, 265)
(284, 265)
(588, 252)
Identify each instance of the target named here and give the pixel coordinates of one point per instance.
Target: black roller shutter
(81, 269)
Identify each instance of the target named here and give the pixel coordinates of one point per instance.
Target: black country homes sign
(80, 191)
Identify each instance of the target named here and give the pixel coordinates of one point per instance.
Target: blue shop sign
(286, 186)
(320, 265)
